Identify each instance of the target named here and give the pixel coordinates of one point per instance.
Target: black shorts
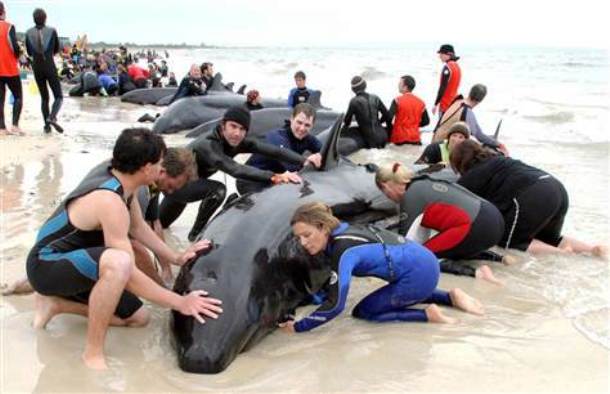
(72, 275)
(538, 213)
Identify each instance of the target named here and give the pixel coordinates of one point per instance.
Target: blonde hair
(394, 172)
(316, 214)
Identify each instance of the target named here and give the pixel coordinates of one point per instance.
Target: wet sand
(531, 338)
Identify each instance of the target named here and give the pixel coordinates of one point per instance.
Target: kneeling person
(83, 262)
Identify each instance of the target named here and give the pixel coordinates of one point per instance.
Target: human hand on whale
(287, 326)
(286, 177)
(195, 250)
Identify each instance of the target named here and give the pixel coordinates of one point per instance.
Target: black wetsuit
(533, 203)
(64, 260)
(369, 133)
(42, 44)
(213, 153)
(189, 87)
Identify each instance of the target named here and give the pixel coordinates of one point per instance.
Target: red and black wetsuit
(450, 83)
(467, 225)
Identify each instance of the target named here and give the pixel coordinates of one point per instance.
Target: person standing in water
(42, 45)
(451, 76)
(9, 73)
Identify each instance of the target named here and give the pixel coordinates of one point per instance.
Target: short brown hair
(40, 17)
(316, 214)
(178, 161)
(306, 109)
(468, 153)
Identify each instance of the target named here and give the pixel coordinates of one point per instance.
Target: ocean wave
(371, 74)
(581, 65)
(552, 118)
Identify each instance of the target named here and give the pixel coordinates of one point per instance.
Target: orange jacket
(455, 75)
(409, 110)
(8, 59)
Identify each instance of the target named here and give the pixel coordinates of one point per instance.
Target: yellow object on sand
(32, 87)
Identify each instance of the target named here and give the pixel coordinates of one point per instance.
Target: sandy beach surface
(545, 330)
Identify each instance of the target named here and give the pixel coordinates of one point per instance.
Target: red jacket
(136, 72)
(8, 54)
(409, 110)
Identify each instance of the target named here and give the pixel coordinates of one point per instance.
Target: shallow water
(547, 329)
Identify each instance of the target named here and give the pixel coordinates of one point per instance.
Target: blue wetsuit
(412, 273)
(64, 260)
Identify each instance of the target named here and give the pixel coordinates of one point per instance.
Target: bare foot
(465, 302)
(21, 286)
(15, 130)
(3, 132)
(435, 315)
(509, 260)
(96, 362)
(600, 251)
(485, 273)
(46, 308)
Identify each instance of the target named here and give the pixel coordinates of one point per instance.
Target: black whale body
(257, 268)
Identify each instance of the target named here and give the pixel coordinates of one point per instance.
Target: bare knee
(116, 265)
(139, 318)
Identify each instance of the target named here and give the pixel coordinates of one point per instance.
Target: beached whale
(257, 268)
(190, 112)
(163, 96)
(267, 119)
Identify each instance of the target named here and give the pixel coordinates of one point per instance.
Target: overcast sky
(325, 22)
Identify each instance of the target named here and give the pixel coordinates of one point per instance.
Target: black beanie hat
(238, 115)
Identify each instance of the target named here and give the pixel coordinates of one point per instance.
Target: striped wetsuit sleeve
(337, 298)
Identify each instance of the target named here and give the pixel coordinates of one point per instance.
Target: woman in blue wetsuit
(412, 272)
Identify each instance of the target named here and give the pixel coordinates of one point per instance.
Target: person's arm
(141, 231)
(430, 155)
(392, 111)
(385, 115)
(425, 119)
(411, 206)
(55, 42)
(226, 164)
(28, 45)
(337, 295)
(14, 43)
(276, 152)
(446, 73)
(476, 131)
(347, 120)
(291, 98)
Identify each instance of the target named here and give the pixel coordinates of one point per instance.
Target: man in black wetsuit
(366, 107)
(42, 44)
(215, 151)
